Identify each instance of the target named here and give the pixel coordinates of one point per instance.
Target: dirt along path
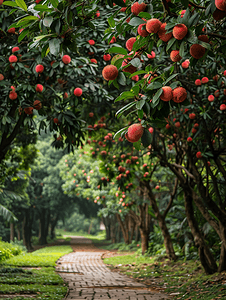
(88, 277)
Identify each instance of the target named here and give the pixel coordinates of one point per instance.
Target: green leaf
(120, 3)
(139, 44)
(140, 104)
(185, 3)
(140, 113)
(118, 50)
(137, 73)
(48, 21)
(137, 145)
(124, 96)
(124, 108)
(193, 20)
(23, 34)
(111, 21)
(170, 43)
(156, 96)
(120, 132)
(28, 18)
(54, 46)
(121, 78)
(154, 85)
(136, 21)
(170, 78)
(91, 25)
(181, 51)
(135, 62)
(21, 4)
(146, 138)
(42, 7)
(54, 3)
(10, 3)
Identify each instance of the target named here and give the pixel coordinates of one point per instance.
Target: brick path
(88, 277)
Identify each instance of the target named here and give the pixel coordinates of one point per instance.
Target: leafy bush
(8, 250)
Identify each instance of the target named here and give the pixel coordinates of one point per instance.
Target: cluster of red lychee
(134, 132)
(178, 95)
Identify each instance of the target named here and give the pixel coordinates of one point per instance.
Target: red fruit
(198, 82)
(192, 116)
(135, 78)
(130, 42)
(208, 163)
(113, 40)
(165, 37)
(15, 49)
(211, 98)
(167, 126)
(136, 8)
(12, 30)
(221, 4)
(203, 38)
(157, 187)
(224, 73)
(93, 60)
(185, 64)
(28, 110)
(189, 139)
(151, 130)
(167, 93)
(174, 135)
(219, 14)
(198, 154)
(37, 104)
(197, 51)
(12, 59)
(177, 124)
(223, 107)
(91, 114)
(134, 133)
(12, 95)
(196, 125)
(1, 1)
(78, 92)
(142, 30)
(180, 31)
(91, 42)
(186, 110)
(179, 94)
(107, 57)
(153, 25)
(39, 68)
(39, 88)
(1, 77)
(130, 69)
(66, 59)
(193, 130)
(205, 79)
(174, 56)
(152, 55)
(97, 14)
(65, 95)
(110, 72)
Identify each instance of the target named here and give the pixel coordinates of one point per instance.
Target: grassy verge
(99, 238)
(43, 282)
(183, 279)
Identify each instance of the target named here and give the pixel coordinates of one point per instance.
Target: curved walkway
(88, 277)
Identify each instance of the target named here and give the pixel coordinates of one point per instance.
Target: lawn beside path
(33, 274)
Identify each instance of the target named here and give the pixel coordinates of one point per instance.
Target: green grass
(43, 282)
(45, 257)
(184, 277)
(100, 237)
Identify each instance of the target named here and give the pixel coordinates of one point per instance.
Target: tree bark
(12, 232)
(18, 233)
(53, 224)
(113, 231)
(27, 228)
(144, 240)
(107, 227)
(43, 227)
(124, 228)
(206, 257)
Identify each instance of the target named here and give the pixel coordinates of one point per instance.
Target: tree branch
(185, 170)
(171, 199)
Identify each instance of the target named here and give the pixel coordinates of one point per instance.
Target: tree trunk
(124, 228)
(222, 261)
(12, 232)
(132, 229)
(52, 227)
(137, 236)
(27, 228)
(206, 257)
(18, 233)
(144, 240)
(42, 227)
(107, 227)
(113, 231)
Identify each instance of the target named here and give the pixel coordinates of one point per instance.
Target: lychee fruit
(91, 42)
(39, 68)
(130, 42)
(192, 116)
(136, 8)
(177, 124)
(130, 69)
(28, 110)
(78, 92)
(167, 126)
(134, 133)
(204, 38)
(185, 64)
(107, 57)
(221, 4)
(197, 51)
(93, 60)
(37, 104)
(113, 40)
(180, 31)
(142, 30)
(12, 59)
(15, 49)
(174, 56)
(211, 98)
(205, 79)
(66, 59)
(199, 154)
(12, 95)
(152, 55)
(222, 107)
(165, 37)
(198, 82)
(153, 25)
(110, 72)
(167, 93)
(39, 88)
(189, 139)
(135, 78)
(55, 120)
(1, 77)
(12, 30)
(219, 14)
(179, 94)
